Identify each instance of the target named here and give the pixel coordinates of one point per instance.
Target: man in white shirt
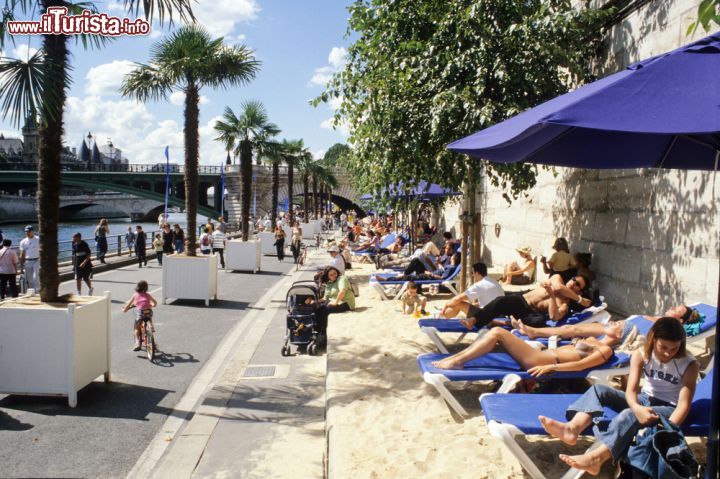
(483, 290)
(30, 258)
(338, 262)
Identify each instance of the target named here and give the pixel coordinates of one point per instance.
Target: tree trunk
(246, 178)
(290, 187)
(51, 132)
(192, 155)
(306, 197)
(275, 188)
(314, 196)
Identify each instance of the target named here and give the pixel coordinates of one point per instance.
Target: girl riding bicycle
(143, 303)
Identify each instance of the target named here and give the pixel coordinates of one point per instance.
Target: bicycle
(147, 334)
(301, 257)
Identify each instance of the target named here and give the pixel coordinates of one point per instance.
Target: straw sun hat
(524, 250)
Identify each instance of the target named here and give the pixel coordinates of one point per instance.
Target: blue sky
(299, 42)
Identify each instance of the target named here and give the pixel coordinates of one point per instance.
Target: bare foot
(520, 326)
(448, 363)
(560, 430)
(469, 323)
(584, 462)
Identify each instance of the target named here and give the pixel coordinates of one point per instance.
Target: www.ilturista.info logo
(56, 21)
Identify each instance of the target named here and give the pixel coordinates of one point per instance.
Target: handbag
(662, 452)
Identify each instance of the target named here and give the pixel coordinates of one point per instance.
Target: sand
(385, 422)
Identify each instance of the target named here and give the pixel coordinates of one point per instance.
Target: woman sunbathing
(442, 272)
(583, 354)
(684, 314)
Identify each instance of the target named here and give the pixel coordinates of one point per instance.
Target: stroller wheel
(312, 348)
(285, 351)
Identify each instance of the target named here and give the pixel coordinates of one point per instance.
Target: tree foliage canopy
(423, 73)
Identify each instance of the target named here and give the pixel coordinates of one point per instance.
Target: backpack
(205, 241)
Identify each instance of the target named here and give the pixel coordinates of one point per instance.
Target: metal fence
(115, 168)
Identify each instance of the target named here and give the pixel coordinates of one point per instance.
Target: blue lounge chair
(379, 285)
(509, 416)
(433, 327)
(502, 367)
(389, 239)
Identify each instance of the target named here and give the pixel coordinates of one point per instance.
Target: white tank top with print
(664, 380)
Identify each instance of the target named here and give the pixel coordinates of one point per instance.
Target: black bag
(662, 452)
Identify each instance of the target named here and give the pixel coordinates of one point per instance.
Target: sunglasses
(577, 283)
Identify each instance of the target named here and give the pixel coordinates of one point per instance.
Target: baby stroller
(302, 325)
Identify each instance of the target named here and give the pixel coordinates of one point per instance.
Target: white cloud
(336, 62)
(336, 58)
(135, 130)
(106, 79)
(342, 128)
(23, 52)
(335, 102)
(115, 7)
(221, 16)
(178, 98)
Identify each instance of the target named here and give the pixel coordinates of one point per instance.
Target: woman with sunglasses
(532, 308)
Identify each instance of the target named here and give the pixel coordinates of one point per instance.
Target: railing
(116, 243)
(115, 168)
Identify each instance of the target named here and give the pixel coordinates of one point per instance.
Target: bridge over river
(140, 189)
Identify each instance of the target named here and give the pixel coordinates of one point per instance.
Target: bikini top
(585, 349)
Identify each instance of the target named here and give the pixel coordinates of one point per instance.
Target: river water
(118, 226)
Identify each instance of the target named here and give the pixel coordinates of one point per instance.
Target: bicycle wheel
(149, 343)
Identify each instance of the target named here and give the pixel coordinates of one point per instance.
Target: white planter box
(54, 350)
(243, 255)
(308, 230)
(267, 243)
(317, 226)
(288, 235)
(190, 277)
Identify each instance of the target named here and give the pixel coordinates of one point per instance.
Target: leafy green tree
(423, 73)
(708, 14)
(187, 61)
(250, 131)
(43, 88)
(335, 154)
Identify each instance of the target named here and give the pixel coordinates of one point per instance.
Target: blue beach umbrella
(423, 191)
(663, 112)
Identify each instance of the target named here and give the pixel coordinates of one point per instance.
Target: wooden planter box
(189, 277)
(243, 255)
(267, 243)
(54, 349)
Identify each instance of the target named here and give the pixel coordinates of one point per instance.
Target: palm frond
(88, 41)
(21, 87)
(164, 8)
(146, 82)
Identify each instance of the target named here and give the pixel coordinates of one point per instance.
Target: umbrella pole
(712, 446)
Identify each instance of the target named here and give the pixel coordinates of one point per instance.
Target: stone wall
(653, 234)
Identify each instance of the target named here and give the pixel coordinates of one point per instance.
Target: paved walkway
(251, 412)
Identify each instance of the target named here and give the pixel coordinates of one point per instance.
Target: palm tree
(48, 89)
(274, 156)
(187, 61)
(327, 181)
(251, 130)
(292, 150)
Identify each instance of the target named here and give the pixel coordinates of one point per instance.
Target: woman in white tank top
(670, 376)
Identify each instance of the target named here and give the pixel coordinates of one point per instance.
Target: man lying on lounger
(550, 298)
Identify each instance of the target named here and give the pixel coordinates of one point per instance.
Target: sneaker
(90, 291)
(136, 347)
